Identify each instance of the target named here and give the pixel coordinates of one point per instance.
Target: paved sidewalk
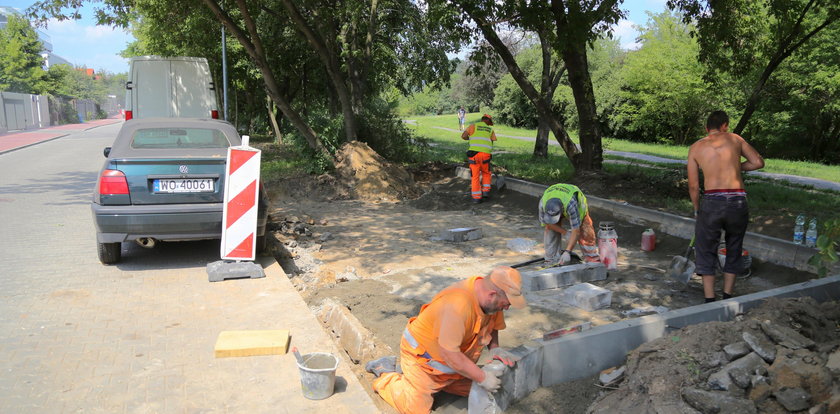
(142, 342)
(22, 139)
(139, 336)
(814, 182)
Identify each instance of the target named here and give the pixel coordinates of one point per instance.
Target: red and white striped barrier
(239, 220)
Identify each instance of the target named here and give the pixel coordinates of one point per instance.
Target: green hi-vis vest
(565, 192)
(480, 140)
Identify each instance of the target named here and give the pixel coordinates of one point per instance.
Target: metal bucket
(317, 375)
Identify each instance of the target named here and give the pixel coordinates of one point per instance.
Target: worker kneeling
(441, 345)
(567, 201)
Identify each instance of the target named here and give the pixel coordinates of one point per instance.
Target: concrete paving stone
(353, 337)
(461, 234)
(555, 277)
(587, 296)
(528, 370)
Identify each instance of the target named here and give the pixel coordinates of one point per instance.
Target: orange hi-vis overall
(453, 320)
(481, 143)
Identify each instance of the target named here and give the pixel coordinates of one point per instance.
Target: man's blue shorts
(720, 213)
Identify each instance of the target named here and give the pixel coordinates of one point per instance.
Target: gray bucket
(317, 375)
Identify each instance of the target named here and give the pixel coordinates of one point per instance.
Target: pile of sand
(371, 177)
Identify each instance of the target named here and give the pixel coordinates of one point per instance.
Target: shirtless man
(724, 205)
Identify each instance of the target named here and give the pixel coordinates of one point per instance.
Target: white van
(169, 87)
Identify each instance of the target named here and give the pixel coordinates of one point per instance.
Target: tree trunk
(272, 117)
(574, 55)
(541, 145)
(549, 80)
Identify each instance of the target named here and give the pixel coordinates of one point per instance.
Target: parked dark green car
(164, 180)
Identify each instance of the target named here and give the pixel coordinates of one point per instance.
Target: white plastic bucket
(317, 375)
(608, 245)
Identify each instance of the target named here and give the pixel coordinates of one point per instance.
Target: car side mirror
(106, 151)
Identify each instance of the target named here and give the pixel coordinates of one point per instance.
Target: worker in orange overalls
(481, 137)
(441, 345)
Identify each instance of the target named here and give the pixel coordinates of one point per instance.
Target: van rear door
(151, 89)
(193, 95)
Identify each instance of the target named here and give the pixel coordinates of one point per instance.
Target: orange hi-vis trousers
(412, 392)
(481, 178)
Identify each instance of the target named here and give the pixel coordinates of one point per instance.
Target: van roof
(183, 58)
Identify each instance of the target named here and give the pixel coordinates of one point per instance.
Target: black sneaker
(382, 365)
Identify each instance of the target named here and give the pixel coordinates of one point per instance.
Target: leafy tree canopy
(20, 58)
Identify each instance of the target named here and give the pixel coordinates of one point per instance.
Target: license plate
(184, 185)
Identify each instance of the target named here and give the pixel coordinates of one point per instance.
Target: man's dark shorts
(719, 212)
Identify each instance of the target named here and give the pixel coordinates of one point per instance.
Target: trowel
(681, 268)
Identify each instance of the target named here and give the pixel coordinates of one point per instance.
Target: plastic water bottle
(799, 229)
(811, 234)
(608, 245)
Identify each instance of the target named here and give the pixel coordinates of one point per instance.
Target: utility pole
(224, 74)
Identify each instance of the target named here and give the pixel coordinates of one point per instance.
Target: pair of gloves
(493, 371)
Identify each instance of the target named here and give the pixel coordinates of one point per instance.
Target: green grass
(512, 157)
(426, 126)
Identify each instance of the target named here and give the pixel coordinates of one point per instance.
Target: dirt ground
(370, 240)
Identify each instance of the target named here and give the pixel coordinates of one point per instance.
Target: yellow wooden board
(250, 343)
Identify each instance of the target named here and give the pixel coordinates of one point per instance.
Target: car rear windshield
(179, 138)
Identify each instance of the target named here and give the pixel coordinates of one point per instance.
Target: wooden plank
(251, 343)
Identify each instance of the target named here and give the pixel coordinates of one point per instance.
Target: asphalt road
(137, 337)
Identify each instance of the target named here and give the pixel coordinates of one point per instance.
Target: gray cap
(552, 211)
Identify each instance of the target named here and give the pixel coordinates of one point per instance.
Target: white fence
(19, 111)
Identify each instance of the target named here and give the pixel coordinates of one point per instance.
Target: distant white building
(47, 54)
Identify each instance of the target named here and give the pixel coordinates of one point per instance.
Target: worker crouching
(567, 201)
(439, 347)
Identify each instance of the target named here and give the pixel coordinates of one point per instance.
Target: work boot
(382, 365)
(476, 201)
(486, 195)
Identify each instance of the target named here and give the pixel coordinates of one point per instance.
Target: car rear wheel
(109, 253)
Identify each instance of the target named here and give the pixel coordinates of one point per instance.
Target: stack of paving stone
(776, 363)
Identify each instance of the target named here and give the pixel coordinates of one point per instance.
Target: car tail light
(113, 182)
(127, 115)
(214, 114)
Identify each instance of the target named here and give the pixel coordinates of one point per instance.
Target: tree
(516, 109)
(663, 96)
(484, 14)
(575, 24)
(20, 58)
(578, 23)
(362, 48)
(734, 34)
(800, 114)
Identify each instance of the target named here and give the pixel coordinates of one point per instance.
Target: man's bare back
(718, 155)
